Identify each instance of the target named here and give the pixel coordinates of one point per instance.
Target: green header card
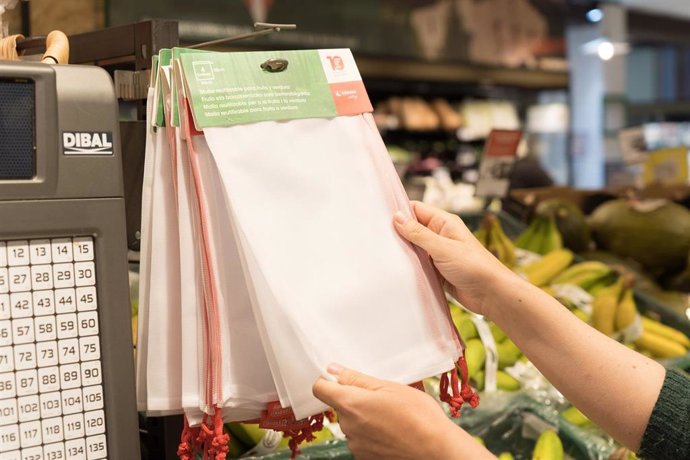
(226, 89)
(164, 58)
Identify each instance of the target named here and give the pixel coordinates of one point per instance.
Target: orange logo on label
(336, 62)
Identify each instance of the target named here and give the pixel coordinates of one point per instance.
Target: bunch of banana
(543, 271)
(661, 341)
(493, 238)
(541, 236)
(586, 275)
(548, 447)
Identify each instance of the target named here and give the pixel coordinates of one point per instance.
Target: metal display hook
(262, 28)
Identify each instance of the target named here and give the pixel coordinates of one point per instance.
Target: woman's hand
(385, 420)
(469, 269)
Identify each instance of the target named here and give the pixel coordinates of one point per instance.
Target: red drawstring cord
(305, 434)
(205, 433)
(186, 448)
(459, 396)
(220, 440)
(467, 393)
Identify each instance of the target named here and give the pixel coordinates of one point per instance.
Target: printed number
(65, 300)
(30, 434)
(4, 333)
(26, 356)
(23, 330)
(47, 353)
(87, 298)
(46, 328)
(93, 397)
(97, 447)
(69, 351)
(26, 382)
(84, 273)
(44, 302)
(89, 348)
(22, 305)
(64, 276)
(4, 359)
(19, 278)
(55, 455)
(62, 249)
(40, 251)
(74, 426)
(83, 248)
(67, 326)
(9, 438)
(54, 429)
(70, 376)
(88, 323)
(49, 379)
(18, 253)
(42, 277)
(91, 373)
(6, 385)
(94, 422)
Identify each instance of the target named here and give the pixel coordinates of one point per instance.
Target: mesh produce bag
(284, 198)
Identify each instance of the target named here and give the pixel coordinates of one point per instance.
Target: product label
(575, 295)
(497, 163)
(225, 89)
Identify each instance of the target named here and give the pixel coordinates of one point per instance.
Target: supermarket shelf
(665, 108)
(460, 73)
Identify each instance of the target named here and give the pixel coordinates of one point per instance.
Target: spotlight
(606, 50)
(595, 15)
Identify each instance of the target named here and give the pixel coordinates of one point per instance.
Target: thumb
(349, 377)
(416, 233)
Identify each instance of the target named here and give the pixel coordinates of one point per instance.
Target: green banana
(505, 456)
(497, 333)
(548, 447)
(552, 239)
(504, 381)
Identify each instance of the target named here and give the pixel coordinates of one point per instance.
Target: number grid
(51, 389)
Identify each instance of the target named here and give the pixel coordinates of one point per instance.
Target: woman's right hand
(471, 272)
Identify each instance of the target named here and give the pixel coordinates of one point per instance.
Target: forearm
(612, 384)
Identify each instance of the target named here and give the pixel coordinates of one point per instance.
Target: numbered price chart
(51, 393)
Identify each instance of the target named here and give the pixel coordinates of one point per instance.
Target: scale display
(66, 358)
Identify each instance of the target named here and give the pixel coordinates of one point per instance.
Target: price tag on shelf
(497, 163)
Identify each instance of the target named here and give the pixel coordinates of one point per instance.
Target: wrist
(455, 443)
(505, 292)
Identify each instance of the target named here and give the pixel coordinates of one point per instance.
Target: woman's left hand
(385, 420)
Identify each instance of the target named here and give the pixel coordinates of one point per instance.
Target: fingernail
(400, 218)
(334, 369)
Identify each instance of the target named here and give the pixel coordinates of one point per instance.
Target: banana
(659, 346)
(604, 308)
(479, 440)
(583, 274)
(574, 416)
(548, 447)
(626, 313)
(548, 267)
(505, 456)
(475, 354)
(665, 331)
(463, 323)
(526, 238)
(508, 353)
(552, 237)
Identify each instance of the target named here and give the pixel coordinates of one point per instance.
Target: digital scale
(66, 362)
